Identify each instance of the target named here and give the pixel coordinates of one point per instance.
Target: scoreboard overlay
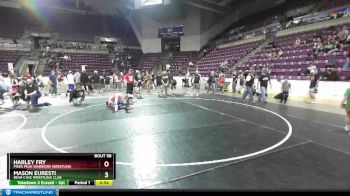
(61, 169)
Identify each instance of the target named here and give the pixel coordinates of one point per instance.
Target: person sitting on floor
(77, 96)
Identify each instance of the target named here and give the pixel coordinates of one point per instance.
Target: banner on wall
(10, 67)
(83, 67)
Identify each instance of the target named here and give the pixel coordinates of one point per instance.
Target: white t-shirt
(70, 79)
(248, 78)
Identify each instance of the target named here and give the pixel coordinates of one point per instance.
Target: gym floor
(179, 142)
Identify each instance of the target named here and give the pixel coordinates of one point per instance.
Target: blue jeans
(262, 96)
(234, 87)
(213, 87)
(248, 92)
(34, 100)
(2, 94)
(53, 89)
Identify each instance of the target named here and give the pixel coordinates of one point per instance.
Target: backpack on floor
(279, 96)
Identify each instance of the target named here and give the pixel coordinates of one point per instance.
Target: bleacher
(7, 57)
(296, 58)
(212, 61)
(93, 62)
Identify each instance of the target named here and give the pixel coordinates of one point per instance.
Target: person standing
(313, 87)
(96, 81)
(166, 80)
(108, 83)
(84, 78)
(172, 82)
(40, 83)
(234, 82)
(187, 81)
(149, 82)
(221, 81)
(211, 82)
(241, 82)
(120, 81)
(286, 87)
(249, 82)
(101, 80)
(15, 94)
(345, 104)
(70, 81)
(129, 80)
(77, 78)
(53, 83)
(159, 84)
(139, 81)
(3, 89)
(264, 79)
(196, 83)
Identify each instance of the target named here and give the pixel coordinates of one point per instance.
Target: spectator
(241, 81)
(149, 81)
(280, 53)
(40, 83)
(318, 47)
(286, 87)
(337, 47)
(234, 82)
(221, 81)
(269, 54)
(32, 95)
(274, 53)
(343, 35)
(15, 91)
(331, 75)
(70, 81)
(211, 82)
(77, 78)
(85, 81)
(28, 75)
(108, 83)
(329, 46)
(249, 82)
(264, 79)
(77, 96)
(313, 88)
(346, 65)
(3, 89)
(53, 83)
(331, 61)
(297, 42)
(129, 79)
(96, 81)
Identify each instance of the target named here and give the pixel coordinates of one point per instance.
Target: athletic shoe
(346, 128)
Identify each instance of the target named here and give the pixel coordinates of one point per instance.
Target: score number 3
(106, 164)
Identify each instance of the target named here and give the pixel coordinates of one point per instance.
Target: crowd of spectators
(329, 15)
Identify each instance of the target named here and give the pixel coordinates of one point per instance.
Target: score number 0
(106, 164)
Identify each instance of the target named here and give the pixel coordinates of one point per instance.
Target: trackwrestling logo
(28, 192)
